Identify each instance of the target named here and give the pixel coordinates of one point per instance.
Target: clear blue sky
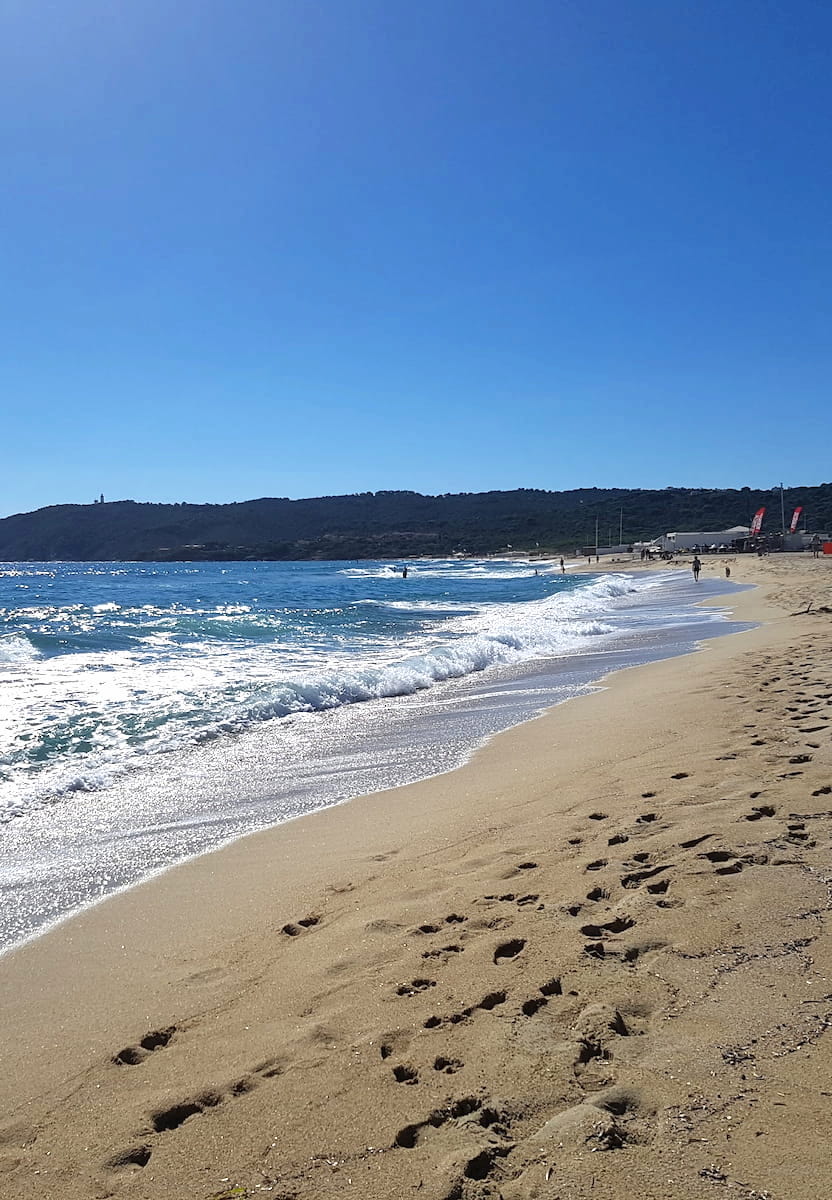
(261, 247)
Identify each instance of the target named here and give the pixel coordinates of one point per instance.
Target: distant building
(711, 537)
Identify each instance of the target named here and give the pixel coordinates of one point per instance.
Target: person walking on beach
(696, 567)
(727, 572)
(562, 567)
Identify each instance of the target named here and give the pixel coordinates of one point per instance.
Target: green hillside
(387, 524)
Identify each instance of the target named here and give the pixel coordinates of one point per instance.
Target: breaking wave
(15, 648)
(174, 679)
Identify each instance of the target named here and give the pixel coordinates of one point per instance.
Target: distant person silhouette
(562, 566)
(727, 572)
(404, 572)
(696, 567)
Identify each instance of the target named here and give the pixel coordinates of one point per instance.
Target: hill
(386, 524)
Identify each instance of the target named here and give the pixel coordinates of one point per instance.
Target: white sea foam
(451, 569)
(423, 606)
(15, 648)
(100, 714)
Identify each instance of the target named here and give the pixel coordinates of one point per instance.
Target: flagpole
(782, 511)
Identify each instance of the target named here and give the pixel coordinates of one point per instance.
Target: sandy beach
(596, 961)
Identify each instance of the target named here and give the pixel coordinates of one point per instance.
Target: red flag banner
(757, 523)
(795, 518)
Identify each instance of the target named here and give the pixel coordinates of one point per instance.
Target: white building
(712, 537)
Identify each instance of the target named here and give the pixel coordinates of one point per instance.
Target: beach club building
(675, 542)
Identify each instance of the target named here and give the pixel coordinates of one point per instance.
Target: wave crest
(16, 648)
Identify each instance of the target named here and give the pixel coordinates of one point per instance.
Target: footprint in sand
(136, 1156)
(490, 1001)
(546, 991)
(696, 841)
(509, 949)
(732, 865)
(443, 953)
(598, 893)
(636, 878)
(718, 856)
(295, 928)
(415, 986)
(523, 866)
(165, 1119)
(628, 955)
(614, 925)
(512, 898)
(436, 927)
(131, 1056)
(448, 1066)
(759, 811)
(477, 1115)
(404, 1074)
(397, 1041)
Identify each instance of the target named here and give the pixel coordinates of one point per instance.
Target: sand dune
(595, 962)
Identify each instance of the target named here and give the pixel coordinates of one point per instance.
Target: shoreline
(233, 766)
(289, 979)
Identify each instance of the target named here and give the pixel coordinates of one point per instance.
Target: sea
(150, 712)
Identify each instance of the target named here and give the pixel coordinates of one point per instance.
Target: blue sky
(254, 247)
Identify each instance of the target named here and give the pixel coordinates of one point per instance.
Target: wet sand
(593, 961)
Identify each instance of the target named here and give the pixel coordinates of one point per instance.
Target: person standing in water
(696, 567)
